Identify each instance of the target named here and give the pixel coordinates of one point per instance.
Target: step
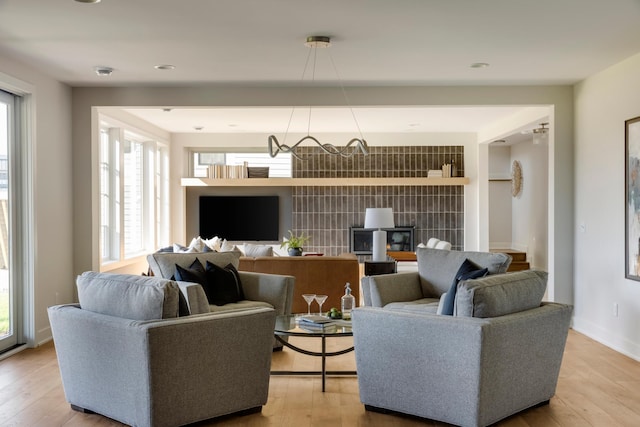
(518, 259)
(518, 266)
(516, 256)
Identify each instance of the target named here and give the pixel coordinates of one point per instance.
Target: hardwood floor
(597, 387)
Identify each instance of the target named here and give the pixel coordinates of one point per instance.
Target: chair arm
(195, 296)
(274, 289)
(381, 290)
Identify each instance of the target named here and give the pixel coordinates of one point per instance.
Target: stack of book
(446, 170)
(434, 173)
(228, 171)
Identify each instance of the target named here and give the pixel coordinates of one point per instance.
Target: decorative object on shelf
(355, 145)
(295, 243)
(632, 193)
(258, 172)
(379, 218)
(516, 179)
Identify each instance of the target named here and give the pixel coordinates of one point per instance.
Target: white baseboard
(605, 337)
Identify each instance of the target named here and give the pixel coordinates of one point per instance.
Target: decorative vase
(295, 251)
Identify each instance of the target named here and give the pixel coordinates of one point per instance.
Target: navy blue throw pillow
(223, 284)
(468, 270)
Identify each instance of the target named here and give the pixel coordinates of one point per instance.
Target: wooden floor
(597, 387)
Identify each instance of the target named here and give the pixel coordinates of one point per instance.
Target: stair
(519, 259)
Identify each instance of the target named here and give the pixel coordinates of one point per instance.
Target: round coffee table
(290, 326)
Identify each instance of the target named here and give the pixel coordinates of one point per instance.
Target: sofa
(128, 351)
(498, 354)
(326, 275)
(423, 290)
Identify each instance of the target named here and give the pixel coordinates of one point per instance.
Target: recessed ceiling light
(164, 67)
(103, 71)
(88, 1)
(198, 127)
(166, 110)
(499, 141)
(479, 65)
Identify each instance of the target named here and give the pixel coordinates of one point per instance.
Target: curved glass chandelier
(354, 146)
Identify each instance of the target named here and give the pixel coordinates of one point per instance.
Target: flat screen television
(240, 218)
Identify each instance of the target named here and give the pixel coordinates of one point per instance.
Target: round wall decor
(516, 178)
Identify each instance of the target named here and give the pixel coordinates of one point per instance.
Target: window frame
(154, 170)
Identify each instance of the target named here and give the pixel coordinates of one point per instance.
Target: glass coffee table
(290, 326)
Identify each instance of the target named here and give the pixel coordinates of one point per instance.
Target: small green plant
(295, 242)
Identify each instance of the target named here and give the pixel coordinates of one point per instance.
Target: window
(134, 193)
(279, 167)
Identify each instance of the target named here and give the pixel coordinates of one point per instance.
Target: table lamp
(379, 218)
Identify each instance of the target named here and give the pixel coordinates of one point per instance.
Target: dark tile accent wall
(326, 213)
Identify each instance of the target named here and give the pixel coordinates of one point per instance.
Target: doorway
(518, 213)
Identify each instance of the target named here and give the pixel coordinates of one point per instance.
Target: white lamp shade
(378, 218)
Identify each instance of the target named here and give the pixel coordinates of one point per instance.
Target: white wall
(529, 210)
(53, 279)
(602, 103)
(500, 197)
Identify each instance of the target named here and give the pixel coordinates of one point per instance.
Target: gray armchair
(499, 355)
(125, 354)
(422, 290)
(260, 289)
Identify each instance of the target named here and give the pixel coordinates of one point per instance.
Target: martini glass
(320, 299)
(309, 299)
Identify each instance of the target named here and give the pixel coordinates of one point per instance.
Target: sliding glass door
(8, 303)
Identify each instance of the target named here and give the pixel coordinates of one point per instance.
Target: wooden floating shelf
(317, 182)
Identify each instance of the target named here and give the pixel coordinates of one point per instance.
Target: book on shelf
(228, 171)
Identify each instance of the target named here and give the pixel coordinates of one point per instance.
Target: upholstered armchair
(500, 353)
(422, 290)
(126, 353)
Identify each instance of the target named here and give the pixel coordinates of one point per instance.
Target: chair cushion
(468, 270)
(128, 296)
(437, 267)
(500, 294)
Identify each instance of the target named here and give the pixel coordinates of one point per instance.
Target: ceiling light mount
(164, 67)
(542, 129)
(318, 41)
(354, 146)
(103, 71)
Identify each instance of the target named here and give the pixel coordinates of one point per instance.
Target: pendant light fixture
(354, 146)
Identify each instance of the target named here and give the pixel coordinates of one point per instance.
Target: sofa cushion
(252, 250)
(468, 270)
(436, 267)
(500, 294)
(128, 296)
(223, 284)
(163, 264)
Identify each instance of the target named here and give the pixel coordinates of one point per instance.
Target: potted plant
(295, 243)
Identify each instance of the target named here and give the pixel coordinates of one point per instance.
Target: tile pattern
(326, 213)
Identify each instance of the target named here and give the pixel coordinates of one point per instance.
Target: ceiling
(374, 43)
